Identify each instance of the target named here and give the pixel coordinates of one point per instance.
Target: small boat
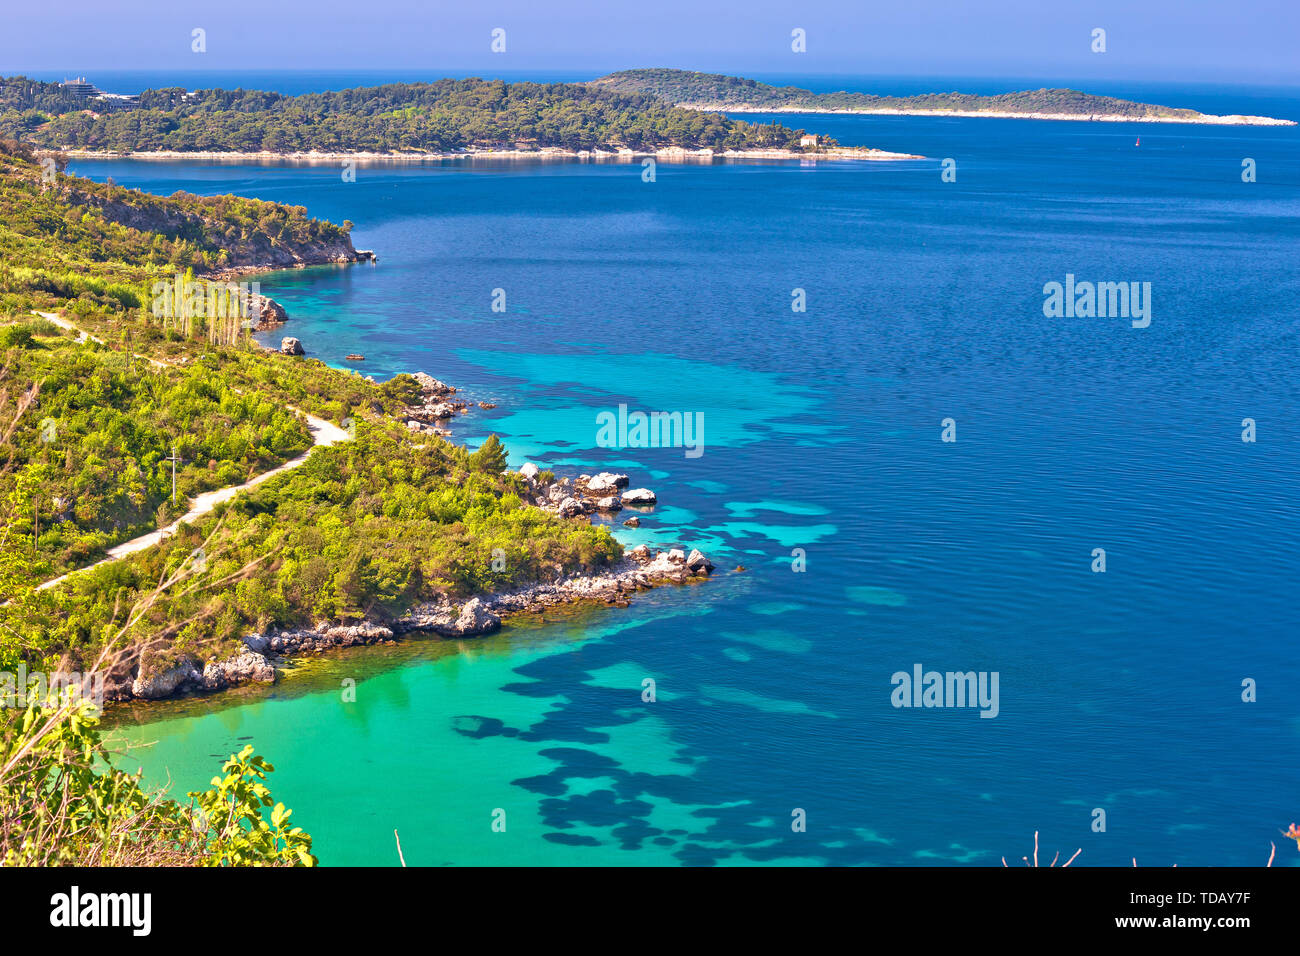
(355, 358)
(1139, 142)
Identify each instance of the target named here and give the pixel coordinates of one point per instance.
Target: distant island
(715, 92)
(444, 119)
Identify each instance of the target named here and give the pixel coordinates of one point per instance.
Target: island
(715, 92)
(447, 119)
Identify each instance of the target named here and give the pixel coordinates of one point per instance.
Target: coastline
(262, 656)
(668, 153)
(1203, 119)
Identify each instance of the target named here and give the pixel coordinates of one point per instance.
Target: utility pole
(173, 459)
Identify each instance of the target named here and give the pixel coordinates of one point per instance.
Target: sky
(1243, 41)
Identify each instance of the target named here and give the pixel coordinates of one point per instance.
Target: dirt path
(323, 435)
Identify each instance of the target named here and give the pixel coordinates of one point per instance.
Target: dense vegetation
(87, 426)
(399, 117)
(716, 91)
(92, 468)
(365, 529)
(111, 243)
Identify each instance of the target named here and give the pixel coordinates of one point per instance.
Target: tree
(490, 457)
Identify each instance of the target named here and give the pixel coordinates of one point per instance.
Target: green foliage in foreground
(397, 117)
(62, 803)
(718, 90)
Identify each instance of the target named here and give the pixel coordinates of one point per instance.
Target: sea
(909, 465)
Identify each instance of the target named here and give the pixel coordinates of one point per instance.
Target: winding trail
(323, 435)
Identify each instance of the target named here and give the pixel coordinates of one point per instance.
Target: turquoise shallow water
(1119, 691)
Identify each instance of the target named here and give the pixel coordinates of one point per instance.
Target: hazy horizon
(1164, 40)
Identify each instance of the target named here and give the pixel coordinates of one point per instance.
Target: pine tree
(490, 457)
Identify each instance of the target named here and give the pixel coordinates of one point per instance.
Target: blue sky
(1175, 40)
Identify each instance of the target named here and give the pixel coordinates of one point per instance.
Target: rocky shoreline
(574, 499)
(639, 570)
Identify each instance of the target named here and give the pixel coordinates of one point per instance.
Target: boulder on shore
(570, 508)
(696, 561)
(606, 482)
(639, 496)
(431, 386)
(530, 471)
(166, 682)
(291, 346)
(475, 618)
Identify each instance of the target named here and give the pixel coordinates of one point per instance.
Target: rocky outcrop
(640, 569)
(244, 248)
(265, 312)
(185, 676)
(290, 346)
(639, 496)
(249, 667)
(471, 619)
(604, 483)
(167, 682)
(436, 405)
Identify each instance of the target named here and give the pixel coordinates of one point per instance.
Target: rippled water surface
(1119, 691)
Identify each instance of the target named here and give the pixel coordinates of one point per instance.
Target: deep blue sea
(1120, 691)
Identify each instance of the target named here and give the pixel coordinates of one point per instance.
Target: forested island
(716, 92)
(444, 117)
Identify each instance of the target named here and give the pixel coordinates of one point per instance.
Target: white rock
(570, 508)
(606, 481)
(639, 496)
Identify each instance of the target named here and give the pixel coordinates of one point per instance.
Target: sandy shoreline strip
(1208, 119)
(669, 154)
